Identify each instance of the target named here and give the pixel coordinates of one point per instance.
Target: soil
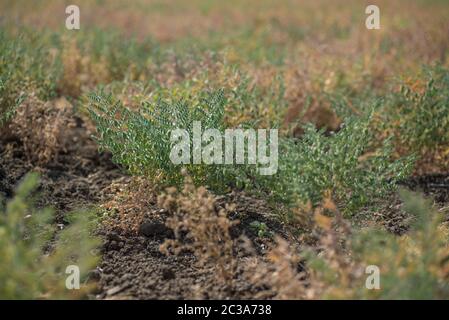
(74, 181)
(434, 185)
(132, 265)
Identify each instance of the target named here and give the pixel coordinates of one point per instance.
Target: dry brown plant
(306, 105)
(284, 276)
(80, 71)
(39, 126)
(201, 228)
(130, 201)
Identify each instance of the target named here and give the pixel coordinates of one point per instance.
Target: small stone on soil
(154, 229)
(168, 274)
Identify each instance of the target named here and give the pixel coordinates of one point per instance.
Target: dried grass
(39, 126)
(201, 228)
